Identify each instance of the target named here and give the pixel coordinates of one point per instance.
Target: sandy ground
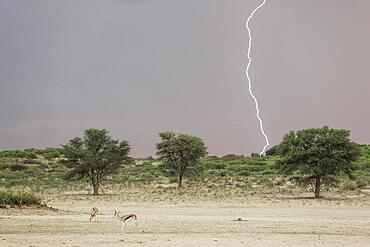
(299, 222)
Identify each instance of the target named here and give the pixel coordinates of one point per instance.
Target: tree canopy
(181, 154)
(95, 156)
(273, 151)
(317, 157)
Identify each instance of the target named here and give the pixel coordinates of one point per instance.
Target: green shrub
(222, 173)
(362, 181)
(19, 198)
(33, 171)
(30, 155)
(235, 162)
(51, 155)
(3, 166)
(17, 167)
(349, 185)
(365, 166)
(12, 154)
(146, 178)
(215, 164)
(244, 173)
(231, 157)
(267, 171)
(237, 167)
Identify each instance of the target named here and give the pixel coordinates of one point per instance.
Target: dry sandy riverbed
(264, 222)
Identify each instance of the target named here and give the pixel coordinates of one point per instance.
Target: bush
(349, 185)
(244, 173)
(235, 162)
(237, 167)
(51, 154)
(365, 167)
(222, 173)
(17, 167)
(12, 154)
(267, 171)
(33, 171)
(146, 177)
(3, 166)
(232, 157)
(19, 198)
(215, 165)
(29, 155)
(362, 182)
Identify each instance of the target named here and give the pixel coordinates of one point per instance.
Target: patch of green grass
(19, 198)
(12, 154)
(268, 171)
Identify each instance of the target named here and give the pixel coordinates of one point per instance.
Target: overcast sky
(139, 67)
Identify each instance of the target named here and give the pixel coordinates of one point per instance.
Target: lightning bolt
(249, 79)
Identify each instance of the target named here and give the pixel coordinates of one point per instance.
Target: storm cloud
(140, 67)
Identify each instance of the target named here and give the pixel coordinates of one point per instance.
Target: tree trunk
(180, 179)
(95, 187)
(317, 186)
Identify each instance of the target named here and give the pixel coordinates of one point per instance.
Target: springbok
(94, 213)
(124, 218)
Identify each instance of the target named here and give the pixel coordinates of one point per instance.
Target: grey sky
(140, 67)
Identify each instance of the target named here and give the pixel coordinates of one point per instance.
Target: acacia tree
(181, 154)
(94, 156)
(273, 151)
(317, 157)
